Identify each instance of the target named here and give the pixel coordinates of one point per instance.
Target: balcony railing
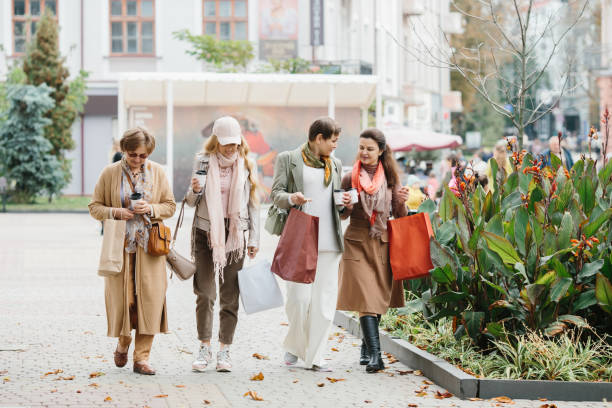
(413, 7)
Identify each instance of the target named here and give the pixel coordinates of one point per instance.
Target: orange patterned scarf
(373, 195)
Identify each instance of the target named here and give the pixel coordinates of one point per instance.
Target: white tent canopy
(221, 89)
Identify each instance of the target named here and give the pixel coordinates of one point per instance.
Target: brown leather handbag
(160, 238)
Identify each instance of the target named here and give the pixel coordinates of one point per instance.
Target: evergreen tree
(26, 153)
(44, 64)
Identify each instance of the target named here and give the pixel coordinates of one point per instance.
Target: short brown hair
(324, 125)
(133, 138)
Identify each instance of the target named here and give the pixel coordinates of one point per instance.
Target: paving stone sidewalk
(54, 350)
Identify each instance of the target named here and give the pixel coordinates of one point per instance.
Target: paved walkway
(52, 340)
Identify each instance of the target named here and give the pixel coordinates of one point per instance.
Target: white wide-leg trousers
(310, 310)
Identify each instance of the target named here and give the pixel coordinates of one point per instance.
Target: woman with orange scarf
(366, 284)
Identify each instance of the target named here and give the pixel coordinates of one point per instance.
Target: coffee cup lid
(338, 191)
(201, 172)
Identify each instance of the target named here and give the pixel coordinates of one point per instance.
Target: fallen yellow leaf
(421, 394)
(206, 402)
(94, 385)
(284, 324)
(107, 399)
(503, 400)
(69, 378)
(320, 384)
(52, 391)
(180, 386)
(418, 372)
(548, 406)
(412, 405)
(442, 395)
(296, 381)
(253, 395)
(96, 374)
(59, 370)
(367, 401)
(427, 382)
(258, 377)
(260, 356)
(333, 380)
(475, 399)
(161, 396)
(6, 379)
(400, 372)
(334, 349)
(78, 391)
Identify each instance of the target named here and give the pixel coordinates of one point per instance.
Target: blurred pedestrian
(555, 147)
(226, 208)
(366, 282)
(504, 168)
(432, 185)
(136, 297)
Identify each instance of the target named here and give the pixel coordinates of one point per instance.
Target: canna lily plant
(534, 254)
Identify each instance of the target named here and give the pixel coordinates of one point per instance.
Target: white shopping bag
(258, 288)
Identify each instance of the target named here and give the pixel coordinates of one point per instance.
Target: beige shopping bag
(111, 257)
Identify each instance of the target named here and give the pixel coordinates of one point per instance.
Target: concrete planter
(466, 386)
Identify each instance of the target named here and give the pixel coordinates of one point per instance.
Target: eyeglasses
(135, 155)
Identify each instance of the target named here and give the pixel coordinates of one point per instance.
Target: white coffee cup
(354, 195)
(339, 197)
(201, 176)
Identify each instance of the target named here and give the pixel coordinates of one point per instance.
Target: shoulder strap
(131, 183)
(179, 221)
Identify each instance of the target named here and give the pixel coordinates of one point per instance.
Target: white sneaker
(290, 359)
(224, 363)
(204, 357)
(323, 368)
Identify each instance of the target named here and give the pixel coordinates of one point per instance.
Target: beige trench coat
(151, 278)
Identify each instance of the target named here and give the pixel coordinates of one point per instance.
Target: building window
(132, 27)
(226, 19)
(26, 15)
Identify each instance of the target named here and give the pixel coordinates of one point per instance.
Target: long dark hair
(388, 162)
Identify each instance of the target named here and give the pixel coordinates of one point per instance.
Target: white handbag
(259, 289)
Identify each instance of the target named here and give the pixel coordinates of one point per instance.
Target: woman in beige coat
(366, 284)
(136, 297)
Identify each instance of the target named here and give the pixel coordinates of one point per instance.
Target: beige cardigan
(151, 275)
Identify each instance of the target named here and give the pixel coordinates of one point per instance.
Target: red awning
(403, 139)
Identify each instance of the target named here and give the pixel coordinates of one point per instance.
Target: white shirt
(321, 206)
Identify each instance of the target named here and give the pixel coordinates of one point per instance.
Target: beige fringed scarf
(223, 251)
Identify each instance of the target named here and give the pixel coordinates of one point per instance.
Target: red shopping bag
(295, 258)
(409, 246)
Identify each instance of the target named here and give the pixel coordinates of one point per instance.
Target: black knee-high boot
(369, 326)
(365, 353)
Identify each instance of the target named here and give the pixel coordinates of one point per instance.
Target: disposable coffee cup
(354, 196)
(339, 197)
(201, 176)
(135, 197)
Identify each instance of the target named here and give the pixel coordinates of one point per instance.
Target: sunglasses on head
(135, 155)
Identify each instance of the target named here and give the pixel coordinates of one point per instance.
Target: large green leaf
(441, 256)
(559, 289)
(473, 243)
(520, 230)
(564, 196)
(446, 232)
(496, 287)
(446, 206)
(494, 170)
(502, 247)
(449, 297)
(572, 319)
(593, 226)
(590, 269)
(427, 206)
(414, 306)
(533, 293)
(495, 329)
(586, 192)
(584, 300)
(473, 322)
(464, 232)
(603, 292)
(488, 207)
(511, 201)
(555, 161)
(605, 173)
(495, 225)
(559, 268)
(547, 279)
(520, 268)
(512, 181)
(565, 231)
(444, 275)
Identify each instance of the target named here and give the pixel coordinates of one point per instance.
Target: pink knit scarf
(233, 248)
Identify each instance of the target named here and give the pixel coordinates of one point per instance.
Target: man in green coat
(306, 178)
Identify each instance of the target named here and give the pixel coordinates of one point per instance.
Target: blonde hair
(211, 146)
(135, 137)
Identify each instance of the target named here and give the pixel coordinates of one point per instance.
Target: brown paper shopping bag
(111, 256)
